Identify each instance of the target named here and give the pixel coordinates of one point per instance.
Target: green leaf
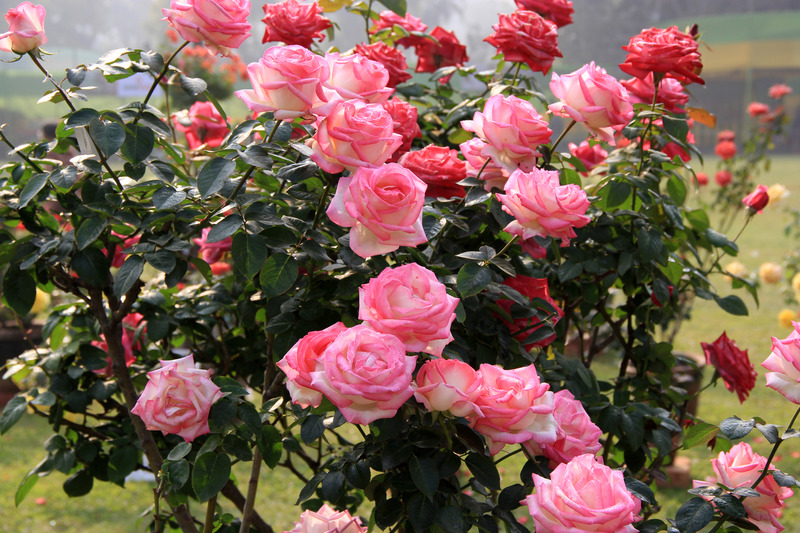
(12, 412)
(167, 198)
(203, 268)
(278, 275)
(694, 515)
(472, 279)
(484, 470)
(180, 451)
(91, 266)
(81, 117)
(721, 241)
(569, 270)
(177, 472)
(139, 143)
(397, 6)
(732, 304)
(735, 428)
(89, 231)
(424, 474)
(730, 505)
(677, 127)
(676, 189)
(212, 176)
(121, 463)
(308, 490)
(699, 434)
(698, 219)
(333, 486)
(211, 473)
(271, 445)
(162, 260)
(618, 193)
(128, 275)
(640, 490)
(31, 189)
(79, 484)
(224, 228)
(108, 136)
(249, 253)
(25, 486)
(770, 432)
(213, 99)
(193, 86)
(19, 290)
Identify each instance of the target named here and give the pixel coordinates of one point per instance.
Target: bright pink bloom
(202, 126)
(756, 109)
(25, 29)
(512, 129)
(758, 199)
(515, 407)
(356, 77)
(327, 520)
(542, 206)
(733, 365)
(177, 399)
(779, 90)
(481, 166)
(725, 150)
(741, 467)
(391, 58)
(291, 22)
(383, 206)
(670, 52)
(287, 80)
(590, 154)
(583, 495)
(558, 11)
(302, 359)
(526, 37)
(784, 365)
(723, 177)
(411, 304)
(440, 168)
(448, 52)
(366, 374)
(404, 123)
(211, 252)
(670, 92)
(523, 327)
(389, 19)
(726, 135)
(222, 24)
(448, 385)
(702, 178)
(129, 343)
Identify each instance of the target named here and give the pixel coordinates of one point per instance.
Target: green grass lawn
(112, 509)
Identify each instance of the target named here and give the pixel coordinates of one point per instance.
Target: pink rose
(670, 92)
(723, 177)
(512, 130)
(448, 385)
(291, 22)
(526, 37)
(577, 434)
(411, 304)
(287, 81)
(354, 134)
(391, 58)
(784, 365)
(387, 20)
(211, 252)
(758, 199)
(366, 374)
(725, 149)
(222, 24)
(726, 135)
(756, 109)
(558, 11)
(733, 365)
(523, 327)
(447, 52)
(177, 399)
(779, 90)
(592, 96)
(669, 52)
(383, 206)
(702, 178)
(355, 76)
(583, 495)
(515, 407)
(302, 359)
(590, 154)
(440, 168)
(404, 123)
(25, 29)
(481, 166)
(542, 207)
(741, 467)
(203, 125)
(327, 520)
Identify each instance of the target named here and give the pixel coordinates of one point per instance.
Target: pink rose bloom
(177, 399)
(222, 24)
(203, 125)
(702, 178)
(512, 130)
(411, 304)
(526, 37)
(583, 495)
(723, 177)
(577, 434)
(388, 56)
(756, 109)
(366, 374)
(542, 207)
(741, 467)
(481, 166)
(355, 76)
(558, 11)
(383, 206)
(670, 92)
(726, 135)
(287, 81)
(211, 252)
(25, 29)
(440, 168)
(354, 134)
(515, 407)
(404, 123)
(302, 359)
(448, 52)
(725, 150)
(448, 385)
(779, 90)
(784, 365)
(758, 199)
(670, 52)
(592, 96)
(327, 520)
(590, 154)
(389, 19)
(291, 22)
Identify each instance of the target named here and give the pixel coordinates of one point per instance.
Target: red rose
(522, 327)
(670, 92)
(723, 177)
(390, 57)
(702, 178)
(203, 125)
(590, 155)
(291, 22)
(732, 364)
(670, 52)
(726, 135)
(440, 168)
(404, 118)
(557, 11)
(725, 149)
(756, 109)
(758, 199)
(389, 19)
(525, 37)
(448, 52)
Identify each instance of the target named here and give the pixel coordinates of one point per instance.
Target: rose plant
(391, 282)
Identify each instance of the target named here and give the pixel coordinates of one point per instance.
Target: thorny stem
(508, 244)
(51, 80)
(3, 138)
(208, 525)
(158, 79)
(656, 82)
(367, 21)
(274, 130)
(563, 133)
(516, 74)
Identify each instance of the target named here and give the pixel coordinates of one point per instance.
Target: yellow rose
(776, 192)
(770, 273)
(735, 268)
(41, 303)
(796, 282)
(786, 317)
